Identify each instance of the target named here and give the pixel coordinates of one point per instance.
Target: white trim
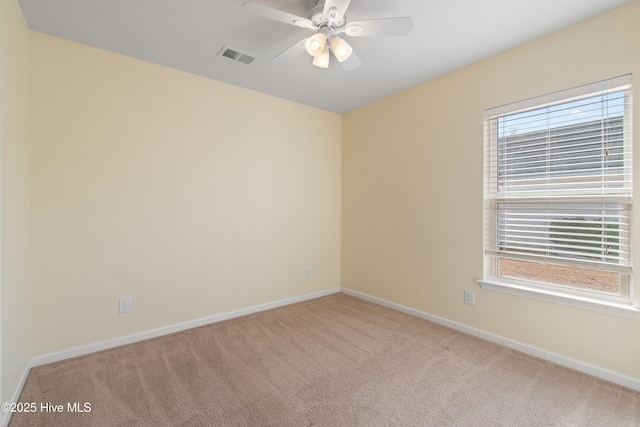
(6, 416)
(614, 377)
(598, 305)
(141, 336)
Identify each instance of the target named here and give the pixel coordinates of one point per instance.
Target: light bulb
(316, 44)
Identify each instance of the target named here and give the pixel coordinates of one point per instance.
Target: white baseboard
(129, 339)
(6, 416)
(614, 377)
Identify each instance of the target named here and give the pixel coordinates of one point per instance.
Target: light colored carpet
(333, 361)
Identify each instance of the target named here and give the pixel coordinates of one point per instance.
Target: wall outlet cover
(125, 305)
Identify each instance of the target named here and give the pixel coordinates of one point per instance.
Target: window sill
(607, 307)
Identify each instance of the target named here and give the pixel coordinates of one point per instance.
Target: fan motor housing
(320, 20)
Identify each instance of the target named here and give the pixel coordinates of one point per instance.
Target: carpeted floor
(332, 361)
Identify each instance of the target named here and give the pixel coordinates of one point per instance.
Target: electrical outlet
(125, 305)
(307, 273)
(469, 297)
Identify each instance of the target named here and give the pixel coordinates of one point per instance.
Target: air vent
(236, 55)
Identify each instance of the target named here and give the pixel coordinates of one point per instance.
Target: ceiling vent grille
(236, 55)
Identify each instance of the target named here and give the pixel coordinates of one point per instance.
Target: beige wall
(192, 196)
(14, 196)
(413, 192)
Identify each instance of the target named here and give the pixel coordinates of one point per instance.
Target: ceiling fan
(327, 20)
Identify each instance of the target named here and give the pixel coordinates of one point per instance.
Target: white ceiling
(189, 34)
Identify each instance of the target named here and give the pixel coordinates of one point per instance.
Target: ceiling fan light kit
(318, 47)
(328, 20)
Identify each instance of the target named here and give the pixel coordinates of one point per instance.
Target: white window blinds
(559, 178)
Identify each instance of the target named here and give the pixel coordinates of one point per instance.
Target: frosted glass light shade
(316, 44)
(322, 60)
(341, 49)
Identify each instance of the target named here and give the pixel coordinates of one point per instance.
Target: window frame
(619, 305)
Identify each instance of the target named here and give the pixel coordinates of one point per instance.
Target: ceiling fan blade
(380, 27)
(291, 52)
(352, 63)
(276, 15)
(339, 5)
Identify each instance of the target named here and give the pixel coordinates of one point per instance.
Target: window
(558, 197)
